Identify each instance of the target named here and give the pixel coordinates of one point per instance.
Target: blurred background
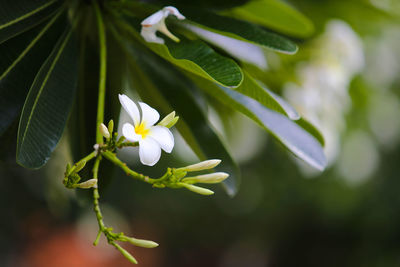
(344, 79)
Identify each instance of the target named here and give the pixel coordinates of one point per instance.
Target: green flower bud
(80, 165)
(140, 242)
(68, 168)
(74, 178)
(169, 120)
(87, 184)
(198, 189)
(111, 126)
(125, 253)
(212, 178)
(204, 165)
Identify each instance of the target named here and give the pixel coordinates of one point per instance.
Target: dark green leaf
(237, 29)
(210, 4)
(276, 15)
(296, 139)
(48, 104)
(22, 57)
(17, 16)
(197, 57)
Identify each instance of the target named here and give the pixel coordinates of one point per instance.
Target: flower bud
(169, 120)
(87, 184)
(104, 131)
(204, 165)
(140, 242)
(80, 165)
(197, 189)
(96, 148)
(111, 126)
(125, 253)
(212, 178)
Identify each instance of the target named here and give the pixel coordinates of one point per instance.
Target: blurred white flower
(383, 118)
(383, 58)
(359, 158)
(151, 138)
(322, 95)
(156, 22)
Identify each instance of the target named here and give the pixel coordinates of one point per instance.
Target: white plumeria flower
(156, 22)
(151, 138)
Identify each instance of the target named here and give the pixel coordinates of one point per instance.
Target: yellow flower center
(141, 129)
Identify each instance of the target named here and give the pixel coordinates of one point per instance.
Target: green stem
(128, 144)
(103, 70)
(96, 197)
(113, 158)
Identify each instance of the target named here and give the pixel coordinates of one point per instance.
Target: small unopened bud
(140, 242)
(111, 126)
(104, 131)
(198, 189)
(212, 178)
(87, 184)
(80, 165)
(169, 120)
(96, 148)
(68, 168)
(204, 165)
(125, 253)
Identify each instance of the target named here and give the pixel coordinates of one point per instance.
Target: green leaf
(312, 130)
(144, 9)
(211, 4)
(269, 99)
(253, 89)
(290, 111)
(195, 56)
(17, 16)
(48, 104)
(296, 139)
(237, 29)
(22, 57)
(166, 91)
(276, 15)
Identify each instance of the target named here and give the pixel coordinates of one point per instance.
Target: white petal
(153, 19)
(149, 35)
(149, 151)
(130, 107)
(163, 136)
(156, 22)
(172, 10)
(129, 132)
(149, 115)
(161, 27)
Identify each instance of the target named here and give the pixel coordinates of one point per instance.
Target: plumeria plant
(151, 139)
(179, 57)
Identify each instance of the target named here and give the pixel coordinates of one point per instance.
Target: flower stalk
(103, 70)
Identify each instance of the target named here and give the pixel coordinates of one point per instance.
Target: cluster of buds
(176, 178)
(108, 131)
(72, 178)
